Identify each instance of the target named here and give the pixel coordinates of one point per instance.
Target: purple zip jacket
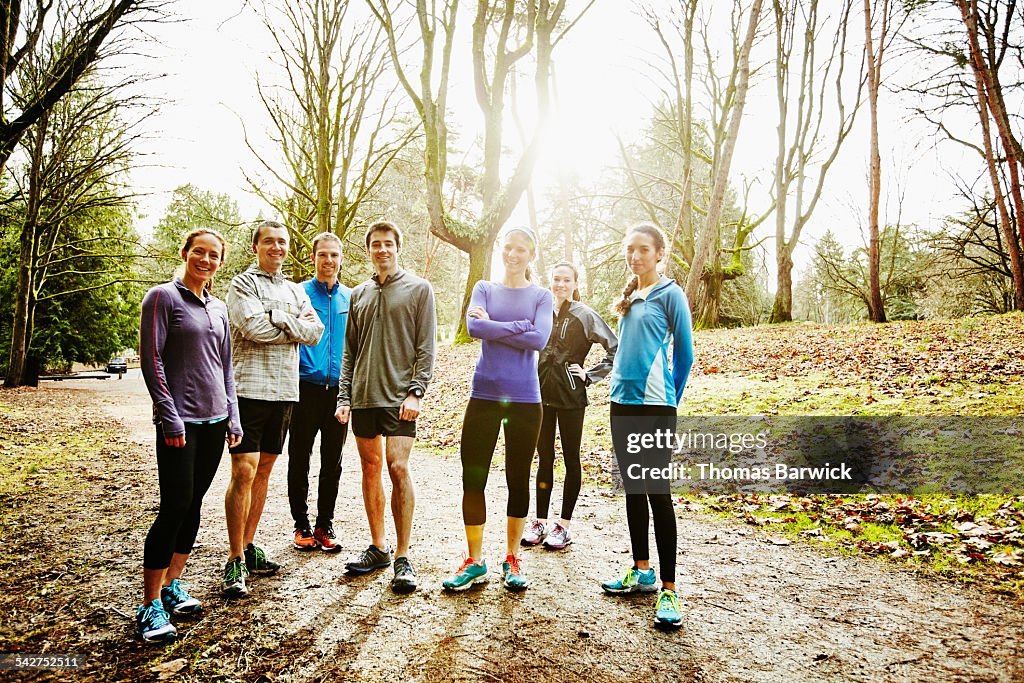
(519, 326)
(185, 350)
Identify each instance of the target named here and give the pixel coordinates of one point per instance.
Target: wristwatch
(417, 392)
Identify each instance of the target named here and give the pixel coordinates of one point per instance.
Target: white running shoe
(534, 533)
(559, 538)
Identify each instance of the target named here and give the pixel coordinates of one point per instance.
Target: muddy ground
(754, 611)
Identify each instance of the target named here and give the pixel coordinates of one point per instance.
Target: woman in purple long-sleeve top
(513, 321)
(185, 350)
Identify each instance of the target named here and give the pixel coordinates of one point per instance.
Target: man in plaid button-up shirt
(270, 316)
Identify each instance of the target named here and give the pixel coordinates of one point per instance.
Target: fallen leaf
(167, 670)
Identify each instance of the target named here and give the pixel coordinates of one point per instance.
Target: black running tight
(570, 426)
(185, 476)
(480, 427)
(661, 510)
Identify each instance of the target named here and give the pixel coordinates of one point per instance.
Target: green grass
(820, 394)
(38, 456)
(883, 539)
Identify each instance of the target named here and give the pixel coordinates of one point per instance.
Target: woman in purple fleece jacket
(185, 350)
(513, 320)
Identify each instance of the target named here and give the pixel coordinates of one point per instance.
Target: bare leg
(153, 580)
(403, 495)
(258, 495)
(515, 528)
(475, 541)
(236, 500)
(174, 571)
(371, 459)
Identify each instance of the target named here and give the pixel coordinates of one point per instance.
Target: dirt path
(753, 611)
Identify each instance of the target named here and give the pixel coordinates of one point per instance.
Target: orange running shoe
(324, 535)
(304, 539)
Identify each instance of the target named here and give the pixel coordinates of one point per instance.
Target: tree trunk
(876, 308)
(782, 307)
(707, 307)
(19, 334)
(479, 269)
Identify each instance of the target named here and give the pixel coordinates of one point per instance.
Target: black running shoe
(257, 562)
(370, 559)
(405, 578)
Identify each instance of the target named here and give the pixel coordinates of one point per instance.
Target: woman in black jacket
(563, 388)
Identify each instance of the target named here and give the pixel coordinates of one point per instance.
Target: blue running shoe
(668, 610)
(635, 580)
(177, 601)
(153, 624)
(469, 574)
(512, 576)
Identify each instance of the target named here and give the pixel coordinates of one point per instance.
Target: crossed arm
(531, 335)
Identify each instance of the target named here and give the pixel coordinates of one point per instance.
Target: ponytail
(623, 305)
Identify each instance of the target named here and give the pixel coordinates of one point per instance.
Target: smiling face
(271, 248)
(516, 253)
(563, 283)
(383, 250)
(643, 254)
(327, 259)
(203, 258)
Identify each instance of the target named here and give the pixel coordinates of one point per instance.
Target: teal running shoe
(153, 624)
(512, 576)
(469, 574)
(177, 601)
(668, 610)
(635, 580)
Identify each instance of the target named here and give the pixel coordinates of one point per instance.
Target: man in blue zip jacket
(319, 371)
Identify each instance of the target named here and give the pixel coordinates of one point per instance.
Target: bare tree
(803, 109)
(703, 283)
(679, 114)
(882, 14)
(988, 27)
(333, 124)
(70, 43)
(675, 191)
(504, 35)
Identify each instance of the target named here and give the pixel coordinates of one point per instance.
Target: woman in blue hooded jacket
(651, 367)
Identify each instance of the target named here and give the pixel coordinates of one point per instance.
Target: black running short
(264, 425)
(369, 423)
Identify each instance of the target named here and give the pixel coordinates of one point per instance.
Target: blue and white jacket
(642, 373)
(321, 364)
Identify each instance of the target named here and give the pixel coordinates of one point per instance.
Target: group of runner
(285, 359)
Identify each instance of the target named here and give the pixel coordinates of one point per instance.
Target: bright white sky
(604, 88)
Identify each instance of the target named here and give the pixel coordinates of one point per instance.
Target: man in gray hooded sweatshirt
(388, 361)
